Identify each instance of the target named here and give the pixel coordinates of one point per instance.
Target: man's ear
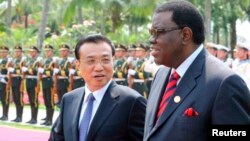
(77, 64)
(187, 35)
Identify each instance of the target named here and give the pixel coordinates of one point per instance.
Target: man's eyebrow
(105, 55)
(90, 56)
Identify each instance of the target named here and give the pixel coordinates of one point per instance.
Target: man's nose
(99, 66)
(152, 40)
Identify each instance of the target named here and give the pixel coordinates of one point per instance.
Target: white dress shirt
(98, 94)
(183, 67)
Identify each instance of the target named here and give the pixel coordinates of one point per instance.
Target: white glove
(55, 71)
(148, 67)
(131, 72)
(71, 59)
(72, 71)
(10, 69)
(130, 59)
(40, 70)
(151, 59)
(3, 81)
(23, 58)
(39, 59)
(9, 59)
(55, 59)
(24, 69)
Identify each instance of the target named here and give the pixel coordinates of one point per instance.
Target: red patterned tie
(170, 89)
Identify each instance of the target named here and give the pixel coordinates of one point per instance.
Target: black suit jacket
(211, 89)
(120, 116)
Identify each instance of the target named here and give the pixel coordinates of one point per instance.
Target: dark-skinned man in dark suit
(194, 91)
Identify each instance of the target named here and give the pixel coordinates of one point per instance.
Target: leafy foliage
(124, 21)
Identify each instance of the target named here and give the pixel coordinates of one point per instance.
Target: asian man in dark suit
(202, 91)
(117, 112)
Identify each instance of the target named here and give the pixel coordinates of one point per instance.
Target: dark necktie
(84, 126)
(170, 89)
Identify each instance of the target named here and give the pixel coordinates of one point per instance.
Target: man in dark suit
(202, 92)
(117, 112)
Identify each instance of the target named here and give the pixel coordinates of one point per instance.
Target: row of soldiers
(54, 77)
(134, 67)
(35, 74)
(239, 62)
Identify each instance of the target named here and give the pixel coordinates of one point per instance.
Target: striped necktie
(170, 89)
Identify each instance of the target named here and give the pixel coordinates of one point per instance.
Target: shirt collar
(181, 70)
(98, 94)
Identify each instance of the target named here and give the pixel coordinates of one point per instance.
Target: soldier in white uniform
(242, 67)
(211, 48)
(222, 54)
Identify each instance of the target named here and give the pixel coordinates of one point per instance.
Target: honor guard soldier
(131, 61)
(46, 73)
(151, 67)
(31, 76)
(120, 65)
(76, 81)
(140, 77)
(15, 80)
(148, 67)
(242, 66)
(4, 92)
(131, 51)
(222, 54)
(212, 48)
(62, 72)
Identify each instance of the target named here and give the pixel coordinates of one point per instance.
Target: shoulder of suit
(77, 91)
(125, 91)
(162, 69)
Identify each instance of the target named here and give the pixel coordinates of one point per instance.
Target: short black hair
(96, 38)
(185, 15)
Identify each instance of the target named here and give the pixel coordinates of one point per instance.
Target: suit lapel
(159, 88)
(105, 108)
(76, 110)
(185, 87)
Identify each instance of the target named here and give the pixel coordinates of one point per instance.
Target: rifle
(22, 82)
(55, 80)
(9, 76)
(71, 79)
(71, 82)
(131, 78)
(39, 79)
(23, 76)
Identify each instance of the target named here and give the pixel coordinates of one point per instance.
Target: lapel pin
(177, 99)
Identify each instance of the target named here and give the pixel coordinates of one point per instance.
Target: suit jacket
(215, 94)
(120, 116)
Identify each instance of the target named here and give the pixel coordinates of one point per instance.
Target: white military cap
(221, 47)
(245, 45)
(211, 45)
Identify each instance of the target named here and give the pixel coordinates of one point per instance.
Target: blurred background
(29, 22)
